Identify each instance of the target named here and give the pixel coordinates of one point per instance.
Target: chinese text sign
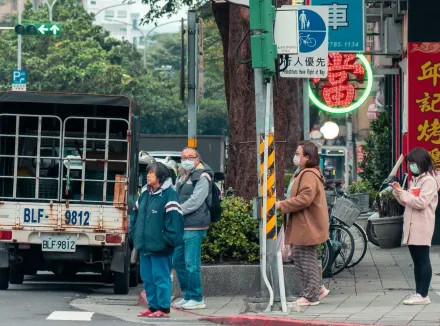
(424, 98)
(346, 24)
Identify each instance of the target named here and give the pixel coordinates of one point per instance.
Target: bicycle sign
(307, 40)
(311, 60)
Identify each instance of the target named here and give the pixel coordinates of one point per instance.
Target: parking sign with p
(19, 80)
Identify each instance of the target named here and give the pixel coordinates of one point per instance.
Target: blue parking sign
(19, 80)
(346, 24)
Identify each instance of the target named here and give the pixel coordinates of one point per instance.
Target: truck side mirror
(219, 176)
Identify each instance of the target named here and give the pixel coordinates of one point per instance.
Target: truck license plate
(61, 243)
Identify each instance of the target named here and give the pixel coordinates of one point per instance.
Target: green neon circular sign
(355, 105)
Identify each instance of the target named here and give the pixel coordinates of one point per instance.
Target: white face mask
(296, 160)
(188, 165)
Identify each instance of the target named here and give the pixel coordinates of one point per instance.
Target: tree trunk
(233, 24)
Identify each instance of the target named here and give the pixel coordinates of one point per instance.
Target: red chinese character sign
(338, 95)
(424, 98)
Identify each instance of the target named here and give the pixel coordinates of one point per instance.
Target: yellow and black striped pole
(271, 221)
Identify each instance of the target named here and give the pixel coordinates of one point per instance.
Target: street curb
(144, 303)
(246, 320)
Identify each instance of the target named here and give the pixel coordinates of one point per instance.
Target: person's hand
(277, 205)
(396, 187)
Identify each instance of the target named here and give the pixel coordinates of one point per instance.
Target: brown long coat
(308, 222)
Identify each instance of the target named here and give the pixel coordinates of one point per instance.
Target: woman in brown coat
(308, 223)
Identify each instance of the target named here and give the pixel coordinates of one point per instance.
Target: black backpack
(215, 207)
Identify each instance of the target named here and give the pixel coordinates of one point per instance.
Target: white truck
(68, 181)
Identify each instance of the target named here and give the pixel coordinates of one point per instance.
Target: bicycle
(307, 40)
(358, 246)
(340, 250)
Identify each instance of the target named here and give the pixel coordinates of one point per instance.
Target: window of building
(123, 29)
(134, 40)
(135, 22)
(141, 40)
(122, 14)
(93, 2)
(109, 14)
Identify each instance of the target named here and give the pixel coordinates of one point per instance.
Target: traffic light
(263, 47)
(26, 29)
(38, 29)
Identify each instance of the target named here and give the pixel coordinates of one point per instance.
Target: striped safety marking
(192, 142)
(271, 224)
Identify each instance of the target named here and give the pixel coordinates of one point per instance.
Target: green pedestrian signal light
(37, 29)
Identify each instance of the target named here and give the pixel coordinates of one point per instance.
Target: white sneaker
(417, 300)
(192, 305)
(178, 305)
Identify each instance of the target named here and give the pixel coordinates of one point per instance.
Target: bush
(375, 163)
(363, 187)
(235, 236)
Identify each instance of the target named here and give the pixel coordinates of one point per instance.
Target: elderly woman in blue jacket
(156, 228)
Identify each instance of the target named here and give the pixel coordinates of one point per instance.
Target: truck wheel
(4, 278)
(16, 278)
(121, 281)
(134, 275)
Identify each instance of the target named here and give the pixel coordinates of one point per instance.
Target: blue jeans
(187, 264)
(156, 274)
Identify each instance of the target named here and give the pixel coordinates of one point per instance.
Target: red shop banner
(424, 98)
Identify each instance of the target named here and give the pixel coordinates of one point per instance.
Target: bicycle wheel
(327, 255)
(360, 244)
(311, 42)
(342, 243)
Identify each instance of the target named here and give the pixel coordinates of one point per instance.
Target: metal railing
(17, 157)
(84, 159)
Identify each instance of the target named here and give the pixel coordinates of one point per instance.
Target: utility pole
(192, 79)
(264, 55)
(306, 109)
(182, 61)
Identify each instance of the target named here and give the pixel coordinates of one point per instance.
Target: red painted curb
(246, 320)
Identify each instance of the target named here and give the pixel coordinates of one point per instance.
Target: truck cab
(68, 180)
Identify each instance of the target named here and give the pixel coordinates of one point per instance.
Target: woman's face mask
(296, 160)
(414, 168)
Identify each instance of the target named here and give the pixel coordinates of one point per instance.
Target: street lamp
(138, 29)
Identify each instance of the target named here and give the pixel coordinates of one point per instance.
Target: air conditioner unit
(399, 10)
(392, 36)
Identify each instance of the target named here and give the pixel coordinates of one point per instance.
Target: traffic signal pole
(19, 37)
(264, 56)
(192, 78)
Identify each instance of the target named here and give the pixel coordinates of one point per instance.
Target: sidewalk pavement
(371, 293)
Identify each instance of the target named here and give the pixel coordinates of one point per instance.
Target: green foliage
(375, 163)
(388, 205)
(84, 59)
(161, 8)
(363, 187)
(81, 59)
(235, 236)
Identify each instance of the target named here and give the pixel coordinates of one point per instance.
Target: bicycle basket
(346, 211)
